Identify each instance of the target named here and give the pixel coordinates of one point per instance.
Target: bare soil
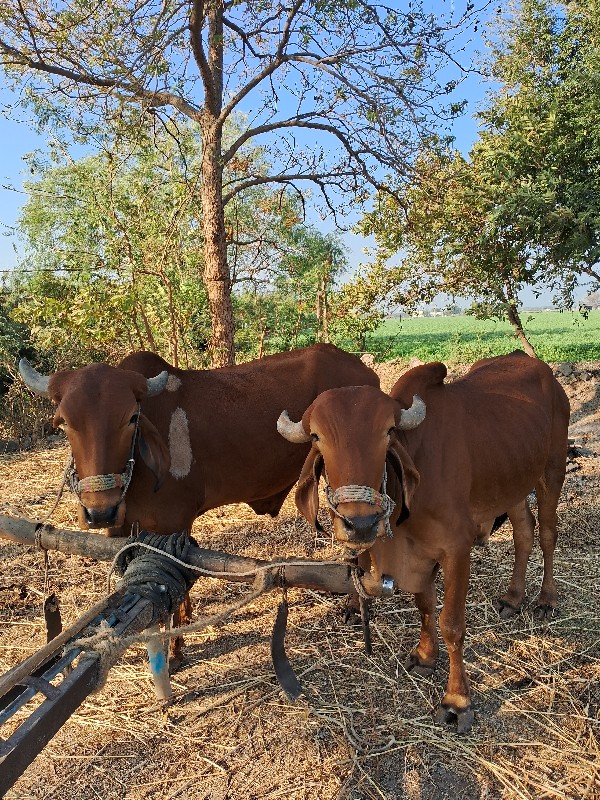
(364, 728)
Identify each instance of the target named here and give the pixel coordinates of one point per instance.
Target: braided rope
(100, 483)
(360, 589)
(353, 493)
(356, 494)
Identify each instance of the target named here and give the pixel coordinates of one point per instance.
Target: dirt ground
(364, 728)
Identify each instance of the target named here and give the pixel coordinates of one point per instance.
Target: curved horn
(157, 384)
(292, 431)
(37, 382)
(412, 417)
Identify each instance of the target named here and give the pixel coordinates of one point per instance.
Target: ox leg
(548, 492)
(523, 524)
(181, 616)
(422, 660)
(456, 704)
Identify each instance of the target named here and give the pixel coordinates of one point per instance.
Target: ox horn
(37, 382)
(412, 417)
(292, 431)
(157, 384)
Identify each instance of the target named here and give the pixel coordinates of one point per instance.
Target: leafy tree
(291, 306)
(112, 248)
(360, 305)
(341, 91)
(453, 240)
(524, 208)
(543, 126)
(112, 243)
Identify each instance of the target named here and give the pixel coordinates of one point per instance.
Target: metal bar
(19, 750)
(22, 693)
(134, 614)
(44, 654)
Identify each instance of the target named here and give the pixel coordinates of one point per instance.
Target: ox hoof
(505, 609)
(464, 717)
(545, 613)
(415, 666)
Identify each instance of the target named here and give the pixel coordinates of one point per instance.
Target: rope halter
(101, 483)
(363, 494)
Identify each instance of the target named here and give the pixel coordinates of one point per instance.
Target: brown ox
(463, 454)
(205, 437)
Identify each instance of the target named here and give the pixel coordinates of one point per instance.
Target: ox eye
(391, 431)
(133, 420)
(314, 437)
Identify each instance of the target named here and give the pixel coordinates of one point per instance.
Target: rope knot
(144, 569)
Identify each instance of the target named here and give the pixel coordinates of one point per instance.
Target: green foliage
(542, 129)
(524, 208)
(113, 256)
(297, 305)
(556, 336)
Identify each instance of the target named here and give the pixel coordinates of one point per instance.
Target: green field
(555, 335)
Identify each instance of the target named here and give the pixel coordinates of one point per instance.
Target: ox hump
(417, 380)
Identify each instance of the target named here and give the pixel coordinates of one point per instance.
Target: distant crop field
(555, 335)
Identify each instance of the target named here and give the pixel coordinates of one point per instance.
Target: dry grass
(364, 729)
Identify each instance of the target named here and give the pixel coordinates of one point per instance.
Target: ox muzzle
(106, 516)
(359, 532)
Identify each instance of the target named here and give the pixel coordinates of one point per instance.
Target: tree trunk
(208, 16)
(216, 269)
(325, 302)
(515, 321)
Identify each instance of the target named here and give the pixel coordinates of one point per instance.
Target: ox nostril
(362, 529)
(348, 526)
(101, 518)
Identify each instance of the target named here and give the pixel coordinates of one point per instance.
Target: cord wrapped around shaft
(154, 576)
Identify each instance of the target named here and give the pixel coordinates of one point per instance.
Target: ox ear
(407, 473)
(154, 452)
(307, 493)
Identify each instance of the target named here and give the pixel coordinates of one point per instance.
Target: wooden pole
(300, 573)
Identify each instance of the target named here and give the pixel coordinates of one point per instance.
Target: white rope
(211, 572)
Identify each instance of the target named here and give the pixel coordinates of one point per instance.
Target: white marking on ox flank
(180, 446)
(173, 383)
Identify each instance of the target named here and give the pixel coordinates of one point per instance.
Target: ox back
(497, 430)
(220, 428)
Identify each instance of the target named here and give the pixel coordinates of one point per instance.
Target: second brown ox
(455, 457)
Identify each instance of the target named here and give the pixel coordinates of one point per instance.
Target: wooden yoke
(334, 578)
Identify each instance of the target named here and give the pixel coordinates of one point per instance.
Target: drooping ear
(154, 452)
(407, 473)
(307, 493)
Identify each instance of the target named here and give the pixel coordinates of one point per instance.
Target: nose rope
(101, 483)
(353, 493)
